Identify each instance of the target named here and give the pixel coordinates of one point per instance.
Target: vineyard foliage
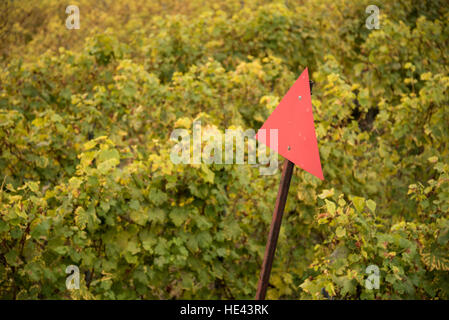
(86, 177)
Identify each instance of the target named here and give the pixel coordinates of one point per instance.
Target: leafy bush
(86, 176)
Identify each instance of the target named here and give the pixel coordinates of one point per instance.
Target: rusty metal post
(270, 249)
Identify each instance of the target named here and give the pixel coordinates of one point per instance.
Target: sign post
(270, 249)
(297, 143)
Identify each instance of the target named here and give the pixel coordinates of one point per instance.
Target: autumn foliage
(85, 171)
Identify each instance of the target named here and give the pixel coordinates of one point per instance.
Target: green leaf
(40, 229)
(157, 215)
(207, 174)
(81, 217)
(202, 222)
(178, 216)
(108, 154)
(89, 145)
(139, 217)
(327, 194)
(157, 196)
(433, 159)
(148, 240)
(12, 258)
(340, 232)
(331, 207)
(134, 204)
(107, 165)
(371, 205)
(34, 186)
(359, 203)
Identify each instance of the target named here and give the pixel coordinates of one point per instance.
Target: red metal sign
(293, 118)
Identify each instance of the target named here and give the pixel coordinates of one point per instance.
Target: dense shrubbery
(86, 177)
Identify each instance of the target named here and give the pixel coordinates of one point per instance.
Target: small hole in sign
(299, 97)
(288, 148)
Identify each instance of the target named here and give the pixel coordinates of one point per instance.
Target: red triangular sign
(293, 118)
